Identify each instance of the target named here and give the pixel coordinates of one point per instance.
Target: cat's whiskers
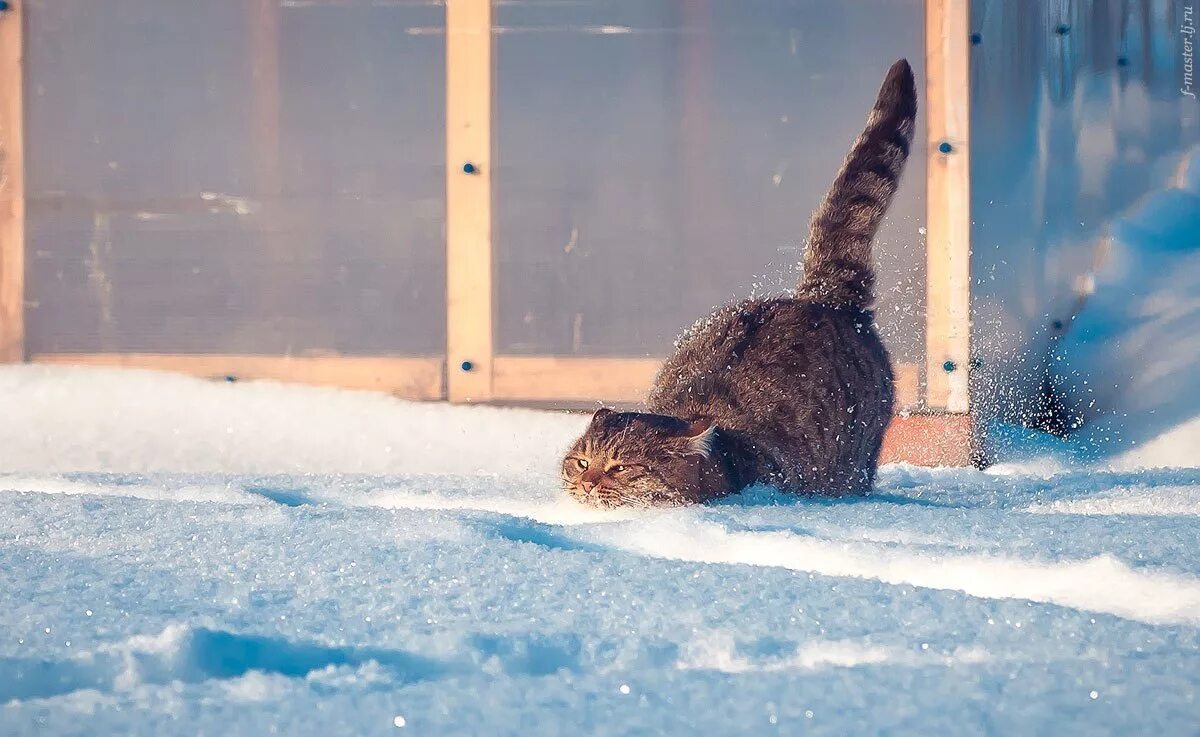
(635, 502)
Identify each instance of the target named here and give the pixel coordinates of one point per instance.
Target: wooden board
(407, 377)
(948, 202)
(12, 187)
(944, 439)
(572, 380)
(567, 379)
(469, 297)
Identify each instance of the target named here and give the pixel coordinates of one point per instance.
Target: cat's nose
(587, 485)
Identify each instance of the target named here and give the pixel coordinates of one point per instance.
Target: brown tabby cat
(795, 392)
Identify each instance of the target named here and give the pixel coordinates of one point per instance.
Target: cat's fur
(795, 392)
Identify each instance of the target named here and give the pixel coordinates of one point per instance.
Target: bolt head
(466, 366)
(945, 147)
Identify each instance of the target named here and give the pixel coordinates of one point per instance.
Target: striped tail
(838, 270)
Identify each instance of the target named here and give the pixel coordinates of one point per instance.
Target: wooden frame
(948, 203)
(923, 439)
(12, 186)
(408, 377)
(469, 295)
(613, 380)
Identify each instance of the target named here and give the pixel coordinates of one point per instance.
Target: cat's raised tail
(838, 270)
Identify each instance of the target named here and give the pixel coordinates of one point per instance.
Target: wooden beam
(406, 377)
(942, 439)
(12, 186)
(542, 379)
(572, 379)
(613, 380)
(948, 203)
(469, 296)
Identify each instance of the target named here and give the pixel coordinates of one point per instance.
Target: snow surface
(195, 558)
(1129, 360)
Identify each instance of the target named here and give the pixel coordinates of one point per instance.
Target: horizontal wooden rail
(572, 379)
(408, 377)
(536, 379)
(618, 380)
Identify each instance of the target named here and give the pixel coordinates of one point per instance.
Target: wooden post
(12, 187)
(948, 203)
(469, 297)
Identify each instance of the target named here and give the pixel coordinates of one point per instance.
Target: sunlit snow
(184, 557)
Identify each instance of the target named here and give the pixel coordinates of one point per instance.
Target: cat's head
(640, 459)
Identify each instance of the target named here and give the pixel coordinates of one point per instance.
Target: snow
(1129, 359)
(187, 557)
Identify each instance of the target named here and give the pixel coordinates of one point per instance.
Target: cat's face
(638, 459)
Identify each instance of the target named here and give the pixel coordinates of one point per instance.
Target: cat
(794, 392)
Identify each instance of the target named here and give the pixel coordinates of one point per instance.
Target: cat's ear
(699, 436)
(601, 414)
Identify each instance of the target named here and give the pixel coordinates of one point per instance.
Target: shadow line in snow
(525, 530)
(766, 496)
(193, 655)
(279, 495)
(182, 654)
(533, 656)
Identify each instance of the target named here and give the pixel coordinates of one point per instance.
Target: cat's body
(795, 392)
(800, 393)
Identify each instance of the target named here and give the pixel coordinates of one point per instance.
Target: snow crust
(185, 557)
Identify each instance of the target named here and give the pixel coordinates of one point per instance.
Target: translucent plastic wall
(1077, 114)
(235, 176)
(267, 176)
(655, 158)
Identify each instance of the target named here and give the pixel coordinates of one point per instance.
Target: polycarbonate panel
(235, 176)
(656, 158)
(1077, 113)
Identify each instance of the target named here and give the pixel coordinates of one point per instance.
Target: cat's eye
(618, 469)
(581, 462)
